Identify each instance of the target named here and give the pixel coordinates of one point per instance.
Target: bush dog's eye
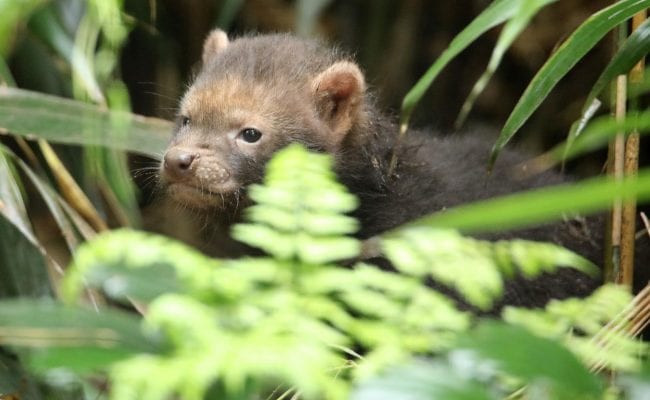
(250, 135)
(185, 121)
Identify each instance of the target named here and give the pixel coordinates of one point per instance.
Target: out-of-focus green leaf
(46, 26)
(519, 21)
(518, 353)
(23, 269)
(113, 335)
(5, 74)
(570, 52)
(228, 12)
(13, 13)
(636, 47)
(34, 115)
(540, 205)
(49, 196)
(497, 12)
(422, 381)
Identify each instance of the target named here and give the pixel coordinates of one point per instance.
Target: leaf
(35, 115)
(13, 13)
(539, 205)
(23, 268)
(570, 52)
(422, 380)
(536, 360)
(635, 48)
(47, 27)
(112, 335)
(497, 12)
(519, 21)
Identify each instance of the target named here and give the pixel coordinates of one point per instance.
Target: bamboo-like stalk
(631, 166)
(615, 168)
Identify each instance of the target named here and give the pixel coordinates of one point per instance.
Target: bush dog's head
(253, 96)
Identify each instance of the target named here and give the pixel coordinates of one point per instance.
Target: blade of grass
(570, 52)
(496, 13)
(636, 47)
(538, 206)
(512, 29)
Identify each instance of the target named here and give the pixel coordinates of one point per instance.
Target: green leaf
(635, 48)
(519, 21)
(570, 52)
(35, 115)
(540, 205)
(422, 380)
(592, 328)
(105, 262)
(13, 13)
(497, 12)
(47, 27)
(536, 360)
(44, 324)
(23, 268)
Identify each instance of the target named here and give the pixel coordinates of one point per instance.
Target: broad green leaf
(35, 115)
(46, 324)
(539, 205)
(496, 13)
(570, 52)
(519, 21)
(516, 352)
(421, 380)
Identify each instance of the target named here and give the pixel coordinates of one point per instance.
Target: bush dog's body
(257, 94)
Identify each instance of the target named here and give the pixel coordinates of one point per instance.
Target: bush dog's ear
(216, 41)
(339, 93)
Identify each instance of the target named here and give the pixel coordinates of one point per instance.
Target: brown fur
(294, 90)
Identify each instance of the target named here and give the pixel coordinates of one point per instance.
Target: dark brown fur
(294, 90)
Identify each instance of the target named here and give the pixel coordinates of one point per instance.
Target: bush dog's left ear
(339, 93)
(216, 41)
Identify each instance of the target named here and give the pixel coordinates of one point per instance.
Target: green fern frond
(475, 268)
(300, 211)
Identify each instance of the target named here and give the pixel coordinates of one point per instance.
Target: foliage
(294, 322)
(291, 320)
